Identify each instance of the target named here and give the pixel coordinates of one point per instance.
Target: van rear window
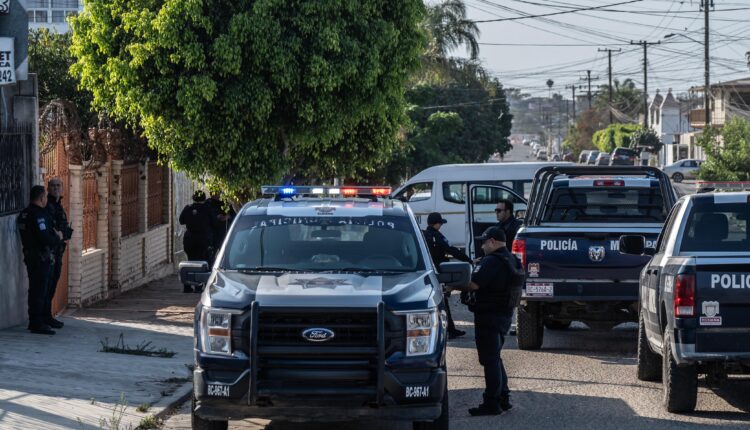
(611, 204)
(717, 228)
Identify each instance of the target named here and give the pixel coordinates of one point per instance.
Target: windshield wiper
(266, 269)
(365, 270)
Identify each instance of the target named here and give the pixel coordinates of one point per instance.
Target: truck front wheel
(442, 423)
(530, 331)
(680, 382)
(199, 423)
(648, 366)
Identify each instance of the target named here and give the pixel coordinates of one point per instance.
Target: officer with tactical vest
(59, 223)
(439, 246)
(199, 219)
(39, 240)
(492, 294)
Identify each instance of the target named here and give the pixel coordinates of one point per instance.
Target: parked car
(602, 159)
(592, 157)
(683, 169)
(584, 156)
(541, 155)
(623, 157)
(555, 157)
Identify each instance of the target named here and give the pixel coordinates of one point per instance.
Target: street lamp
(706, 74)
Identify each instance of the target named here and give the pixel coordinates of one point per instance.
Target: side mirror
(194, 273)
(633, 245)
(520, 214)
(455, 274)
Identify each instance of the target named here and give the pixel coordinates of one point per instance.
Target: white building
(52, 14)
(669, 118)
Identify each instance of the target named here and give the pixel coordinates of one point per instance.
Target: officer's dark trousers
(490, 330)
(54, 279)
(196, 249)
(451, 324)
(39, 272)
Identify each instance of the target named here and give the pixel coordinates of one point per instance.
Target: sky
(676, 63)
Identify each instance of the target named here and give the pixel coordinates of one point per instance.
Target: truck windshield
(605, 205)
(717, 228)
(371, 243)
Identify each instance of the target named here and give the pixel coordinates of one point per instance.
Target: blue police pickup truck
(570, 245)
(323, 304)
(695, 296)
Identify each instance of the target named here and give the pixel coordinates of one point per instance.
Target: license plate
(540, 290)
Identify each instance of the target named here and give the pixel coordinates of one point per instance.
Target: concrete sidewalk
(64, 382)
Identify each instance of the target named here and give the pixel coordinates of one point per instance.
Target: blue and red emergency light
(323, 191)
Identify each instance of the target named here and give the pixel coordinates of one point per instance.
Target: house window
(65, 4)
(58, 16)
(37, 15)
(40, 4)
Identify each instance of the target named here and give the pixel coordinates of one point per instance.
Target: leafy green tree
(648, 139)
(727, 150)
(580, 135)
(50, 59)
(246, 92)
(615, 136)
(450, 29)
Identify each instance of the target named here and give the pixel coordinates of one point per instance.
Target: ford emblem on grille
(318, 334)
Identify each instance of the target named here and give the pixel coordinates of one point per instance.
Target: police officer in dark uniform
(199, 220)
(59, 224)
(224, 217)
(494, 288)
(507, 220)
(39, 239)
(439, 247)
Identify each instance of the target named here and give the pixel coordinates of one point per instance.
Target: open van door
(480, 212)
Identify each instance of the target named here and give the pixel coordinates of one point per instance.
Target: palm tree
(449, 29)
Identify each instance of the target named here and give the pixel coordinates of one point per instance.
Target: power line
(515, 18)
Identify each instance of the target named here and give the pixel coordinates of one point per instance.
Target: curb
(168, 404)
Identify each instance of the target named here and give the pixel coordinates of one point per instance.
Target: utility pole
(609, 54)
(589, 78)
(706, 60)
(645, 45)
(573, 87)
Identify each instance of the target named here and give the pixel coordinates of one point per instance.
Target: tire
(199, 423)
(680, 382)
(649, 365)
(443, 422)
(678, 177)
(557, 324)
(530, 330)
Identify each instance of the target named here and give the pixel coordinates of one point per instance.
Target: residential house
(52, 14)
(668, 117)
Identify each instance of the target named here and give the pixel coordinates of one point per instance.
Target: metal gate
(54, 163)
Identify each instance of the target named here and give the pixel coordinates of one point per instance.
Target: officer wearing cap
(199, 219)
(491, 299)
(439, 247)
(39, 240)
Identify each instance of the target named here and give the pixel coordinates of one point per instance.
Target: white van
(443, 189)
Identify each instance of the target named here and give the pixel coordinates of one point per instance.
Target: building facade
(52, 14)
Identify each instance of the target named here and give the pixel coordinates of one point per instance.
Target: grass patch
(144, 348)
(143, 408)
(176, 380)
(148, 422)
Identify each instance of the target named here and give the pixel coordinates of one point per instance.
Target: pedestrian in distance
(440, 248)
(59, 224)
(198, 219)
(492, 294)
(39, 240)
(507, 220)
(224, 216)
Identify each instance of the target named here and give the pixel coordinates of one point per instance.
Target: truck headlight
(216, 329)
(421, 333)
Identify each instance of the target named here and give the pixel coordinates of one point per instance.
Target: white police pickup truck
(323, 304)
(695, 296)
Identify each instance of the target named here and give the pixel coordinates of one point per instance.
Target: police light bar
(322, 191)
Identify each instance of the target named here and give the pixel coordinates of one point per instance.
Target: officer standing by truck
(59, 224)
(224, 217)
(39, 239)
(507, 220)
(492, 295)
(199, 219)
(439, 247)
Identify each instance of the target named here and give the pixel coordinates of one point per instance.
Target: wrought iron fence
(130, 211)
(155, 194)
(15, 168)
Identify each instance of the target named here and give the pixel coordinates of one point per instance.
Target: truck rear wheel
(649, 364)
(530, 331)
(199, 423)
(443, 422)
(680, 382)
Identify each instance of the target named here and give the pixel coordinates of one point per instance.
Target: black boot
(40, 329)
(485, 409)
(54, 323)
(187, 288)
(505, 403)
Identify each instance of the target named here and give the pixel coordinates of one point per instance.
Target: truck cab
(694, 300)
(323, 304)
